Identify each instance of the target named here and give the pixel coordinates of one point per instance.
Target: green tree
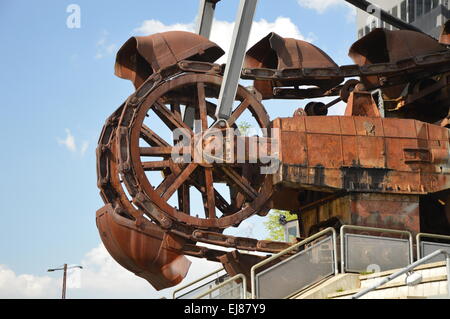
(244, 128)
(272, 224)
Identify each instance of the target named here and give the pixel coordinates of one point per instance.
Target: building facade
(427, 15)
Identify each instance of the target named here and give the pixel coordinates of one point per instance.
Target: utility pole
(64, 282)
(64, 269)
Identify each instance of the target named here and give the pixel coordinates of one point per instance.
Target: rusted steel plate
(386, 211)
(349, 150)
(323, 124)
(361, 104)
(445, 35)
(297, 141)
(384, 46)
(143, 56)
(151, 254)
(324, 150)
(275, 52)
(363, 154)
(372, 210)
(395, 147)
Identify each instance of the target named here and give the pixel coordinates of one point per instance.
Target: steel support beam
(241, 34)
(206, 17)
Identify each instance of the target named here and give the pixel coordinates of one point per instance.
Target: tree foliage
(272, 224)
(244, 128)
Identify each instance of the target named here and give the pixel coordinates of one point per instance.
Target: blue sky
(58, 88)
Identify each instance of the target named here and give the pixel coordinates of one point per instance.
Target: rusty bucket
(147, 251)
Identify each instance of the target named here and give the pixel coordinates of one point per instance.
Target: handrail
(226, 282)
(196, 281)
(373, 229)
(407, 269)
(302, 243)
(420, 235)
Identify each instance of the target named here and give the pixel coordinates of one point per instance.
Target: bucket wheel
(187, 192)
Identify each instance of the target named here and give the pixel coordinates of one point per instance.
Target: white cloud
(71, 145)
(101, 277)
(104, 47)
(100, 268)
(222, 31)
(69, 141)
(25, 286)
(322, 5)
(84, 148)
(154, 26)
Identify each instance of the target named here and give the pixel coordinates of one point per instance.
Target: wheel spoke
(238, 112)
(175, 108)
(184, 201)
(220, 202)
(156, 151)
(169, 118)
(152, 138)
(179, 180)
(240, 182)
(155, 166)
(202, 106)
(210, 198)
(237, 198)
(161, 189)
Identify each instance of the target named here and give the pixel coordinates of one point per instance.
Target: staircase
(433, 285)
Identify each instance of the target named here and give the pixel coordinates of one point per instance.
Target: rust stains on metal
(445, 35)
(142, 56)
(359, 153)
(278, 53)
(382, 46)
(385, 163)
(147, 251)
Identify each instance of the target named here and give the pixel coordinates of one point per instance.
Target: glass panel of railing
(427, 247)
(203, 287)
(233, 290)
(365, 253)
(297, 272)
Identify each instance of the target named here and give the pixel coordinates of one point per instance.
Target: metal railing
(191, 284)
(408, 269)
(343, 247)
(290, 249)
(228, 287)
(226, 295)
(425, 235)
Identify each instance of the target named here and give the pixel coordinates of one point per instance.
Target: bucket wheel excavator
(166, 197)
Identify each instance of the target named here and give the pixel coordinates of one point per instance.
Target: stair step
(390, 272)
(441, 280)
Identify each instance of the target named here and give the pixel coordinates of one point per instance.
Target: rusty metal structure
(385, 163)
